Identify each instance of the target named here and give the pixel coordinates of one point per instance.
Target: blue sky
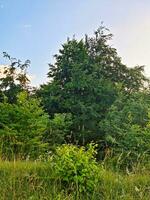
(35, 29)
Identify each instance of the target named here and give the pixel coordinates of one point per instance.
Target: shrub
(21, 128)
(77, 167)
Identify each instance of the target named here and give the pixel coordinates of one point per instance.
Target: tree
(109, 64)
(22, 126)
(58, 130)
(13, 78)
(85, 80)
(126, 129)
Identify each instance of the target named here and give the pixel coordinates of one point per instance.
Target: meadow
(35, 180)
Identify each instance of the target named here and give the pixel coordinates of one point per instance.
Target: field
(35, 180)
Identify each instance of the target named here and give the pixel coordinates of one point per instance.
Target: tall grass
(36, 180)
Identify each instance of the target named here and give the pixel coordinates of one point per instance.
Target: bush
(22, 126)
(77, 167)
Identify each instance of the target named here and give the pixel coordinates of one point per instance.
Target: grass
(35, 180)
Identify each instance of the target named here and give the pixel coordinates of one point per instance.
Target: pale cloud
(31, 77)
(27, 26)
(2, 69)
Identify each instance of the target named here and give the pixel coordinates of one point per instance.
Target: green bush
(77, 167)
(22, 126)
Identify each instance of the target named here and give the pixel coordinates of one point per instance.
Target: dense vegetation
(28, 180)
(83, 134)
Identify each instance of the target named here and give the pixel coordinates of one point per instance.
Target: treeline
(91, 96)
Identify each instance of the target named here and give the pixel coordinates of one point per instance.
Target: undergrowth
(37, 180)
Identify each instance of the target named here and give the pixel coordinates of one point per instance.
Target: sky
(36, 29)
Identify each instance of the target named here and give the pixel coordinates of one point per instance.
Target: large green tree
(85, 81)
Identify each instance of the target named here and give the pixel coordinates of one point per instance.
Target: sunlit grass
(35, 180)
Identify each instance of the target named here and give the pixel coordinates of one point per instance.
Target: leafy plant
(77, 167)
(21, 127)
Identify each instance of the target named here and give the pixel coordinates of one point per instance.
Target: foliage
(21, 127)
(58, 130)
(85, 80)
(126, 129)
(13, 78)
(91, 96)
(77, 167)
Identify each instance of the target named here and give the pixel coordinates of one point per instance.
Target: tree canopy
(86, 79)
